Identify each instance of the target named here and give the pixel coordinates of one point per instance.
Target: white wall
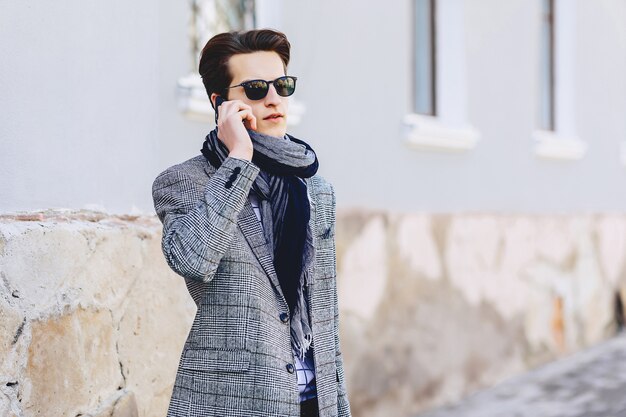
(88, 111)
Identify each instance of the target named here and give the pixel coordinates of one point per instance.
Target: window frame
(448, 129)
(561, 141)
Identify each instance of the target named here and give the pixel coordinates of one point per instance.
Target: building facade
(476, 149)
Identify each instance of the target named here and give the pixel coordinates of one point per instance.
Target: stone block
(72, 363)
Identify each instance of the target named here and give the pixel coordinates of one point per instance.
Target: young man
(250, 226)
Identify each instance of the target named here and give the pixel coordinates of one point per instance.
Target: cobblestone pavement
(591, 383)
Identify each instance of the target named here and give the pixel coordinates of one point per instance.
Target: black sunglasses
(257, 89)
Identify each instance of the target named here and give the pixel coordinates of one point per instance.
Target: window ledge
(550, 145)
(194, 103)
(429, 133)
(192, 99)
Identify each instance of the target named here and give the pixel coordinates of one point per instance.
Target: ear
(213, 99)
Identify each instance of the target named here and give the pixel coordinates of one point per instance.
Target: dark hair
(213, 66)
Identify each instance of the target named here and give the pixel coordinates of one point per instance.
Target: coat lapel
(251, 228)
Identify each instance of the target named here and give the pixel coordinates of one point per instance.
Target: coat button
(233, 175)
(284, 317)
(290, 368)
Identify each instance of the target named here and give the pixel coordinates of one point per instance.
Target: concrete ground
(591, 383)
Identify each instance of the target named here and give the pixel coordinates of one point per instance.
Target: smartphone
(218, 101)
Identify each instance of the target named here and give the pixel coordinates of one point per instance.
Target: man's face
(260, 65)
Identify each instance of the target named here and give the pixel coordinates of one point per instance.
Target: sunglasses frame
(267, 83)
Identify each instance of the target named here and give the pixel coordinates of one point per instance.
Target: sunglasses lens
(256, 90)
(285, 86)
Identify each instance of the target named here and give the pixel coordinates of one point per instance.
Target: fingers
(243, 111)
(232, 106)
(246, 115)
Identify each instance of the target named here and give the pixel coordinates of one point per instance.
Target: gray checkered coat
(237, 359)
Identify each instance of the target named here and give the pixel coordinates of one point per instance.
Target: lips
(273, 116)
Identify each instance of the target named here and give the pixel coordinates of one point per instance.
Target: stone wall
(92, 321)
(433, 307)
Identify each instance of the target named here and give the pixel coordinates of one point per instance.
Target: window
(424, 90)
(437, 101)
(546, 105)
(210, 17)
(556, 134)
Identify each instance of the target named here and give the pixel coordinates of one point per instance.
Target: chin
(277, 131)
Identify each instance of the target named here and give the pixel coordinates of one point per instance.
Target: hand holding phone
(230, 118)
(218, 101)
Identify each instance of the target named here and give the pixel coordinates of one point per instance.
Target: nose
(272, 97)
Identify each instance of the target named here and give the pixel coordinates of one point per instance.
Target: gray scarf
(285, 214)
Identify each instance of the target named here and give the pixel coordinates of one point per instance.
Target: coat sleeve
(199, 221)
(342, 393)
